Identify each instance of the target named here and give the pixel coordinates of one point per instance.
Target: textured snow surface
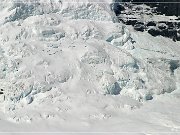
(70, 66)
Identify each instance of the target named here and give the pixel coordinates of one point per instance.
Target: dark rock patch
(139, 27)
(154, 32)
(151, 23)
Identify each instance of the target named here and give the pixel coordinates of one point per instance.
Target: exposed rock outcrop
(144, 17)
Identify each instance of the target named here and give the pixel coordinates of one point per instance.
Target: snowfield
(71, 67)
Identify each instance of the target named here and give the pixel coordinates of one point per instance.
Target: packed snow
(71, 66)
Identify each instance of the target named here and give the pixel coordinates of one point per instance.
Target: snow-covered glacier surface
(71, 66)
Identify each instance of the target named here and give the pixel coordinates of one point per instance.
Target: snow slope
(70, 66)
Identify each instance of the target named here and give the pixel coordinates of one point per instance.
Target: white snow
(69, 66)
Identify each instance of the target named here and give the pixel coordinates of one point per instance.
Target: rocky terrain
(145, 17)
(167, 7)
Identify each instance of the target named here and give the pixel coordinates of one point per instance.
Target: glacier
(74, 61)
